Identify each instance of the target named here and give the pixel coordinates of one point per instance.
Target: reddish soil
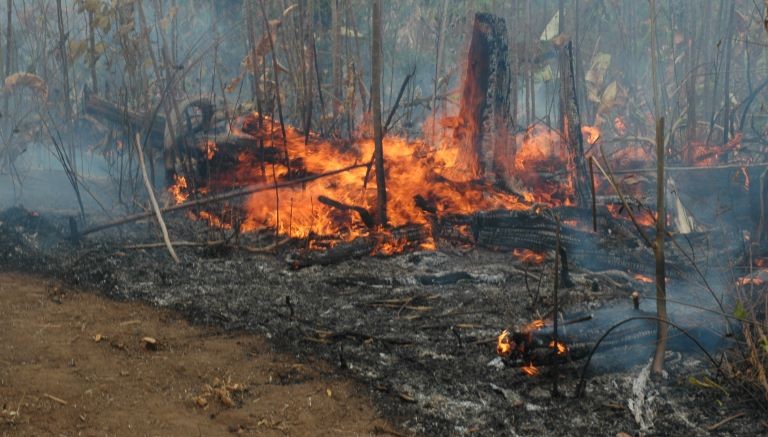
(75, 364)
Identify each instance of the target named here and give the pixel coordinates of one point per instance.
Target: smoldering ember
(407, 218)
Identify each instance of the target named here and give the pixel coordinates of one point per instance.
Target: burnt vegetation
(456, 203)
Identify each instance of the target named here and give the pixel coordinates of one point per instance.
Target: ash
(417, 329)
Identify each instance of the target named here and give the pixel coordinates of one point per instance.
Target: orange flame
(413, 167)
(530, 370)
(561, 348)
(503, 347)
(534, 326)
(528, 256)
(644, 218)
(644, 279)
(592, 133)
(210, 149)
(179, 189)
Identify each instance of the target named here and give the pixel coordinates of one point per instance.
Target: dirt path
(74, 364)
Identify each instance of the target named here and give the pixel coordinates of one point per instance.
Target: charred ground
(418, 329)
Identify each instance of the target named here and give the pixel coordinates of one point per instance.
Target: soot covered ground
(418, 329)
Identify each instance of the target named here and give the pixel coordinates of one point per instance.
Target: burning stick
(224, 196)
(365, 216)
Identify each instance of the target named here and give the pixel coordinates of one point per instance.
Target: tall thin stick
(556, 282)
(381, 190)
(658, 251)
(277, 86)
(153, 201)
(592, 189)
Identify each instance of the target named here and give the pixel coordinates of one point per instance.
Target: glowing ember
(503, 347)
(644, 218)
(530, 370)
(210, 149)
(528, 256)
(644, 279)
(561, 348)
(591, 133)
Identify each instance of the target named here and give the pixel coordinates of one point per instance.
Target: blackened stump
(485, 98)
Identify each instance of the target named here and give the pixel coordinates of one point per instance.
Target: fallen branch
(55, 399)
(217, 198)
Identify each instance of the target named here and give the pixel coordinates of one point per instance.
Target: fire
(413, 168)
(503, 347)
(179, 189)
(534, 326)
(528, 256)
(761, 262)
(530, 370)
(539, 145)
(210, 149)
(642, 278)
(561, 348)
(644, 218)
(592, 133)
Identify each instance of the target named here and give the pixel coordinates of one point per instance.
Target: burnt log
(108, 112)
(484, 115)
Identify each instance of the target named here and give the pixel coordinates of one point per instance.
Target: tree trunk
(381, 189)
(484, 105)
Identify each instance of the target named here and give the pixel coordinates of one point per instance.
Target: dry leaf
(608, 98)
(596, 75)
(201, 401)
(552, 28)
(27, 80)
(223, 395)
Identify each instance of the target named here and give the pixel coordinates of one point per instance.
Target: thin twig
(717, 425)
(152, 199)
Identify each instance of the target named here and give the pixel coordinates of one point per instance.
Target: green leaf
(764, 343)
(740, 312)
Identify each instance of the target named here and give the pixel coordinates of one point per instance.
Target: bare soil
(75, 364)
